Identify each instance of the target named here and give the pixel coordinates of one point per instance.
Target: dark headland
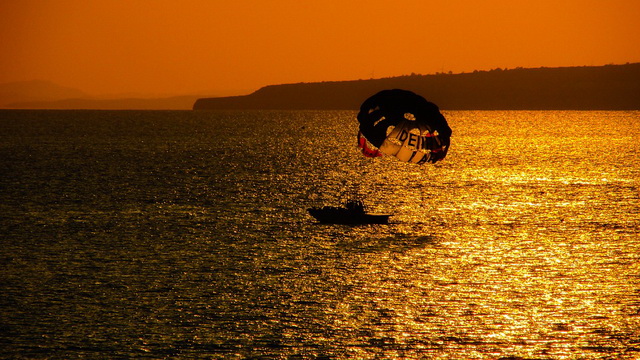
(609, 87)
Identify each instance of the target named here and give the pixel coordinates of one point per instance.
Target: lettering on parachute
(420, 142)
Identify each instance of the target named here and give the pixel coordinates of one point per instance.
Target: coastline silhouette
(609, 87)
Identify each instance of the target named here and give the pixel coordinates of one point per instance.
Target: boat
(353, 212)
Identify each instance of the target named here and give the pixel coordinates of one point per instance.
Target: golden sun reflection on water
(532, 249)
(530, 295)
(522, 244)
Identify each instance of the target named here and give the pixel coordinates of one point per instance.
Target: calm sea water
(185, 235)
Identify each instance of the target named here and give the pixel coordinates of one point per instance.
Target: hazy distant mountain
(47, 95)
(609, 87)
(169, 103)
(36, 91)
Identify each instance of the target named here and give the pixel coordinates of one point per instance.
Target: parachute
(405, 125)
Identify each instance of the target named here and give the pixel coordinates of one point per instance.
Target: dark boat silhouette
(352, 213)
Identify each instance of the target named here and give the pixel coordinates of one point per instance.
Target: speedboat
(352, 213)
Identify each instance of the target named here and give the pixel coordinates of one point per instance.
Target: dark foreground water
(185, 235)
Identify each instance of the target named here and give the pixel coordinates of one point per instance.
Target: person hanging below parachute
(405, 125)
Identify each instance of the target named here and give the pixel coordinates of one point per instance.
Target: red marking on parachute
(366, 150)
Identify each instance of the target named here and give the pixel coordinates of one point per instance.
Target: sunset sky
(220, 47)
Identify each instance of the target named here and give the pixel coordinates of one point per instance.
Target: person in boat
(355, 206)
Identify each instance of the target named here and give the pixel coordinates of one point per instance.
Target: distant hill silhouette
(36, 91)
(609, 87)
(169, 103)
(39, 94)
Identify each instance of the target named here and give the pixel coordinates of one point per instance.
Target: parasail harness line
(402, 124)
(398, 123)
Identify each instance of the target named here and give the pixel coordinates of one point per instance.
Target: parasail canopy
(405, 125)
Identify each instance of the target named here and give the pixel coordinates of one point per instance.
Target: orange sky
(161, 47)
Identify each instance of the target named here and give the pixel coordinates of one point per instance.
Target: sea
(185, 235)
